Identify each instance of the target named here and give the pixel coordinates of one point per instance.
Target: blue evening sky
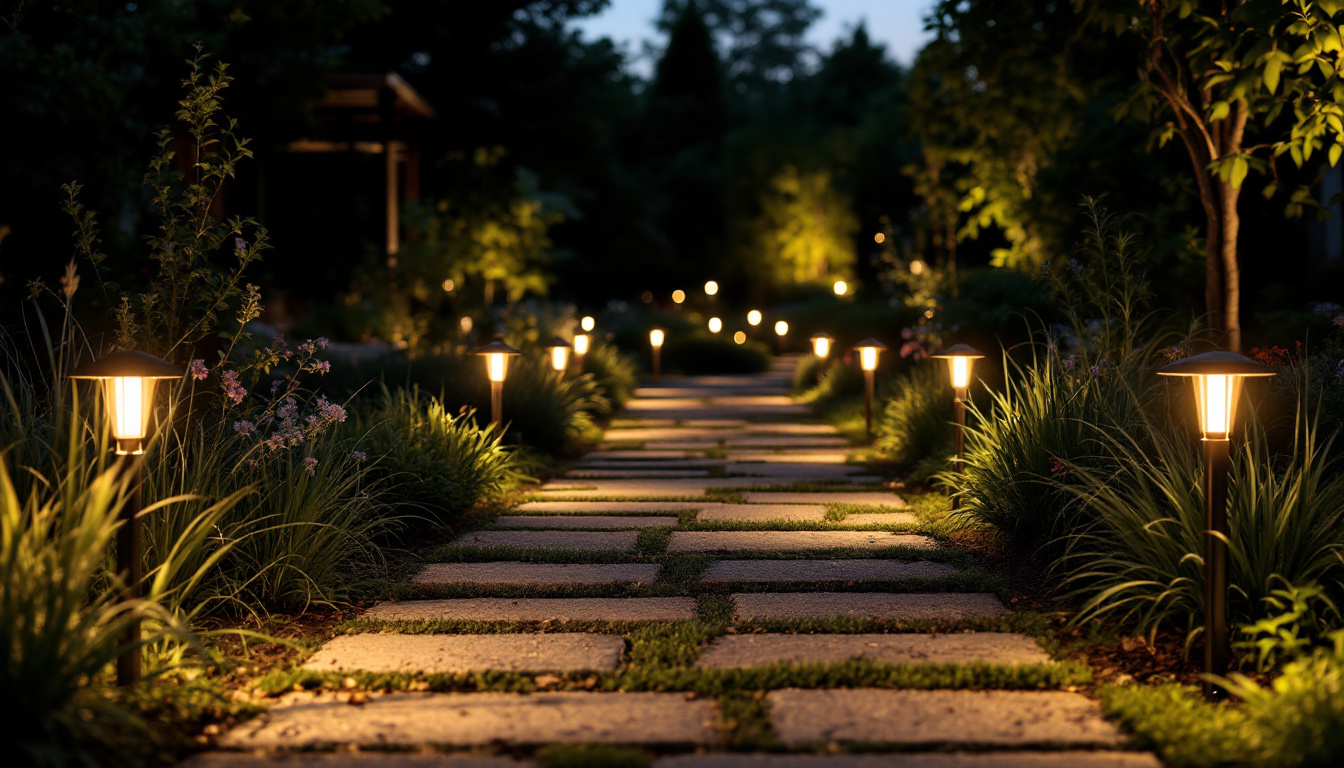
(896, 23)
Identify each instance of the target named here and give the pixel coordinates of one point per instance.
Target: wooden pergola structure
(375, 114)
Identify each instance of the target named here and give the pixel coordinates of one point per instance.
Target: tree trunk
(1227, 258)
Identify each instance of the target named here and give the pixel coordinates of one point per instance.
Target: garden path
(714, 587)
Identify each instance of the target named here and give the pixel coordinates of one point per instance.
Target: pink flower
(310, 464)
(232, 389)
(330, 411)
(239, 244)
(359, 457)
(306, 348)
(198, 370)
(322, 367)
(244, 427)
(322, 342)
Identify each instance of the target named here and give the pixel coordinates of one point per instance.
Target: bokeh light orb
(754, 317)
(781, 328)
(711, 288)
(740, 337)
(841, 287)
(715, 325)
(588, 323)
(678, 296)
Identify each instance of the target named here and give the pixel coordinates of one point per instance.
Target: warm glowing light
(821, 346)
(1217, 378)
(961, 372)
(711, 288)
(928, 313)
(128, 397)
(495, 364)
(840, 287)
(879, 238)
(868, 358)
(656, 337)
(740, 337)
(1217, 411)
(559, 358)
(588, 324)
(580, 344)
(678, 296)
(917, 267)
(781, 328)
(754, 317)
(466, 324)
(448, 286)
(715, 325)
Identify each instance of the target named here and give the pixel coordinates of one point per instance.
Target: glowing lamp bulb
(960, 358)
(588, 324)
(678, 296)
(711, 288)
(715, 325)
(781, 328)
(868, 358)
(840, 287)
(496, 364)
(448, 286)
(754, 317)
(656, 337)
(128, 397)
(740, 337)
(961, 372)
(821, 346)
(128, 380)
(580, 344)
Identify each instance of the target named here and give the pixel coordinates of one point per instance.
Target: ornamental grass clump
(552, 413)
(914, 427)
(615, 373)
(439, 463)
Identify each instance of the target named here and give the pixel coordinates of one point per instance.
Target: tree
(805, 229)
(1240, 84)
(762, 40)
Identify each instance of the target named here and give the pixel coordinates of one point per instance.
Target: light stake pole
(656, 338)
(128, 380)
(497, 355)
(869, 350)
(1217, 377)
(821, 347)
(960, 358)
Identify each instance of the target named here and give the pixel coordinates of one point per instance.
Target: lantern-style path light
(656, 338)
(1217, 377)
(581, 343)
(869, 350)
(821, 347)
(497, 355)
(128, 380)
(558, 350)
(960, 358)
(781, 330)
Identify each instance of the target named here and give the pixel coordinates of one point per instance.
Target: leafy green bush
(697, 355)
(838, 380)
(1185, 729)
(807, 373)
(429, 458)
(615, 373)
(914, 426)
(1298, 719)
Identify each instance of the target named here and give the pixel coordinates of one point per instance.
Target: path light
(678, 296)
(821, 347)
(448, 286)
(711, 288)
(656, 338)
(781, 330)
(128, 380)
(581, 342)
(715, 325)
(869, 350)
(754, 318)
(497, 355)
(558, 350)
(960, 358)
(1217, 378)
(740, 337)
(840, 287)
(588, 324)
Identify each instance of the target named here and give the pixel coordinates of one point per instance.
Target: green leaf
(1335, 151)
(1271, 76)
(1239, 170)
(1220, 110)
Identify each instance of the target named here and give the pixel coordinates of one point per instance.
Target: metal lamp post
(960, 358)
(497, 355)
(1217, 377)
(558, 350)
(656, 338)
(869, 350)
(128, 380)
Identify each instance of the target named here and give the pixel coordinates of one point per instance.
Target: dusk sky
(897, 23)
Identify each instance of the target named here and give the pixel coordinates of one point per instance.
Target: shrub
(431, 459)
(615, 373)
(1297, 720)
(697, 355)
(838, 380)
(807, 374)
(914, 427)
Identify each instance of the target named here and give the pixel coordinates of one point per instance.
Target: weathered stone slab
(788, 428)
(636, 488)
(991, 718)
(735, 651)
(637, 455)
(465, 719)
(803, 455)
(683, 445)
(762, 512)
(599, 461)
(511, 574)
(1010, 759)
(880, 518)
(586, 521)
(444, 654)
(588, 507)
(871, 498)
(578, 541)
(784, 441)
(631, 474)
(348, 760)
(881, 606)
(793, 470)
(716, 423)
(747, 401)
(821, 571)
(538, 609)
(791, 541)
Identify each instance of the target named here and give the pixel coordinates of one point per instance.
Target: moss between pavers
(453, 554)
(796, 525)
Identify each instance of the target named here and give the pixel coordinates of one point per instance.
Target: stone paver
(821, 571)
(585, 521)
(735, 651)
(991, 718)
(348, 760)
(578, 541)
(1012, 759)
(636, 488)
(873, 498)
(637, 455)
(784, 441)
(791, 541)
(465, 719)
(794, 470)
(597, 461)
(825, 456)
(608, 474)
(587, 507)
(538, 609)
(881, 606)
(442, 654)
(880, 518)
(760, 512)
(511, 574)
